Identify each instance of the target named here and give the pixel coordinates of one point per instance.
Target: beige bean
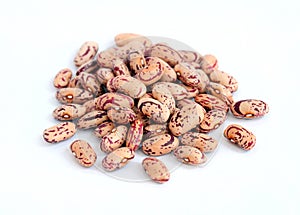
(225, 79)
(210, 102)
(166, 53)
(155, 130)
(156, 170)
(62, 78)
(90, 83)
(203, 142)
(191, 91)
(59, 132)
(90, 105)
(120, 68)
(160, 145)
(87, 51)
(92, 119)
(153, 109)
(121, 115)
(209, 63)
(73, 95)
(124, 38)
(164, 95)
(108, 100)
(249, 108)
(189, 155)
(178, 92)
(107, 58)
(190, 56)
(212, 120)
(218, 90)
(104, 75)
(135, 135)
(69, 112)
(132, 46)
(88, 67)
(104, 128)
(136, 60)
(240, 136)
(74, 83)
(84, 153)
(114, 139)
(117, 158)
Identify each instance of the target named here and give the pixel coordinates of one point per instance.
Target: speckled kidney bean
(186, 119)
(62, 78)
(132, 46)
(127, 85)
(90, 83)
(249, 108)
(164, 52)
(135, 135)
(59, 132)
(124, 38)
(114, 139)
(191, 91)
(136, 60)
(212, 120)
(190, 56)
(183, 102)
(88, 67)
(104, 75)
(117, 158)
(160, 145)
(155, 130)
(178, 92)
(69, 112)
(154, 109)
(121, 115)
(225, 79)
(156, 169)
(189, 155)
(221, 92)
(90, 105)
(169, 74)
(74, 82)
(163, 95)
(104, 128)
(120, 68)
(210, 102)
(107, 58)
(87, 51)
(190, 76)
(240, 136)
(108, 100)
(92, 119)
(209, 63)
(73, 95)
(203, 142)
(84, 153)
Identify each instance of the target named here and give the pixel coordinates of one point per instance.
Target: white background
(256, 41)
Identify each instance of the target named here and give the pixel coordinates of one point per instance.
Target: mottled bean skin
(73, 95)
(240, 136)
(127, 85)
(153, 109)
(178, 92)
(190, 56)
(136, 60)
(225, 79)
(135, 135)
(160, 145)
(191, 91)
(209, 63)
(156, 170)
(59, 132)
(132, 46)
(92, 119)
(114, 139)
(120, 68)
(155, 130)
(69, 112)
(107, 58)
(62, 78)
(108, 100)
(169, 74)
(74, 83)
(186, 119)
(203, 142)
(103, 129)
(121, 115)
(164, 95)
(90, 105)
(125, 38)
(212, 120)
(87, 51)
(90, 83)
(189, 155)
(166, 53)
(89, 67)
(210, 102)
(84, 153)
(117, 158)
(104, 75)
(218, 90)
(249, 108)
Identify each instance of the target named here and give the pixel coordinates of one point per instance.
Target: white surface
(256, 41)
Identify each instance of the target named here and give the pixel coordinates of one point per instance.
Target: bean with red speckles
(108, 100)
(154, 109)
(90, 83)
(212, 120)
(69, 112)
(210, 102)
(121, 115)
(62, 78)
(189, 155)
(166, 53)
(117, 158)
(73, 95)
(249, 108)
(84, 153)
(135, 135)
(120, 68)
(163, 95)
(114, 139)
(178, 92)
(103, 129)
(209, 63)
(240, 136)
(190, 56)
(92, 119)
(90, 105)
(203, 142)
(88, 67)
(221, 92)
(156, 169)
(169, 74)
(59, 132)
(87, 51)
(160, 145)
(125, 38)
(136, 60)
(155, 130)
(225, 79)
(104, 75)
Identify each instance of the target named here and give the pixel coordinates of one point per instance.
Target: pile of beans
(150, 97)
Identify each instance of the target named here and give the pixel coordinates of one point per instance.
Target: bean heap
(150, 97)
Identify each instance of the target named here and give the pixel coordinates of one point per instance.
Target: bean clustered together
(140, 95)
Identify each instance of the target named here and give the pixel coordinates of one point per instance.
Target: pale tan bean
(107, 58)
(124, 38)
(160, 145)
(136, 60)
(189, 155)
(249, 108)
(210, 102)
(90, 83)
(62, 78)
(114, 139)
(132, 46)
(153, 109)
(92, 119)
(90, 105)
(155, 130)
(156, 170)
(166, 53)
(164, 95)
(120, 68)
(84, 153)
(73, 95)
(117, 158)
(225, 79)
(121, 115)
(104, 75)
(209, 63)
(135, 135)
(212, 120)
(88, 67)
(69, 112)
(59, 132)
(218, 90)
(87, 51)
(103, 129)
(190, 56)
(178, 92)
(108, 100)
(203, 142)
(191, 91)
